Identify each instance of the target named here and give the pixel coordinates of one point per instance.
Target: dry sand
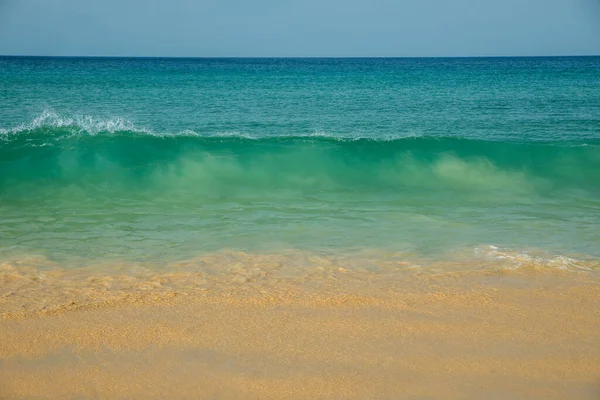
(469, 336)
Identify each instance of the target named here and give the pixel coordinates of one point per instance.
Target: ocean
(371, 164)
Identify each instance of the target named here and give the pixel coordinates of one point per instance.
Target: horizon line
(295, 57)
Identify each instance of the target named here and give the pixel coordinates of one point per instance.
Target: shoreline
(32, 286)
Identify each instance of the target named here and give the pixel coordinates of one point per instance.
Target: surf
(88, 152)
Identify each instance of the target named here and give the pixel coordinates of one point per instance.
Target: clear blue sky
(205, 28)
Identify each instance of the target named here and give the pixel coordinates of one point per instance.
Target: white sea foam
(78, 124)
(518, 259)
(360, 136)
(231, 134)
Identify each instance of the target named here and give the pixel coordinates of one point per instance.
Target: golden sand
(533, 335)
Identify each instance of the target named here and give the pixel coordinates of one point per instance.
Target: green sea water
(162, 160)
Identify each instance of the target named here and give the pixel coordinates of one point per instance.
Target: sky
(299, 28)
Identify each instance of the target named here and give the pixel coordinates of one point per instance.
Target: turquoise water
(161, 160)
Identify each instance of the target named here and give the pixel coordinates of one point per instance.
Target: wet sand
(473, 336)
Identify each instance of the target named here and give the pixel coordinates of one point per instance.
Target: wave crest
(77, 124)
(55, 126)
(80, 125)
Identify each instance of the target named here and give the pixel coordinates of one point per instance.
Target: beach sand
(452, 336)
